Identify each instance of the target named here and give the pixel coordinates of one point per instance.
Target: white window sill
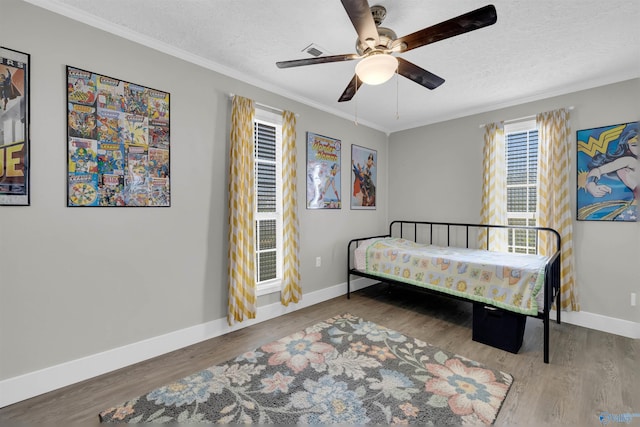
(269, 288)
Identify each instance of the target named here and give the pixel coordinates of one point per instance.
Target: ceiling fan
(376, 45)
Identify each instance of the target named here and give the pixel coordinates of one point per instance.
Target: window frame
(530, 238)
(274, 285)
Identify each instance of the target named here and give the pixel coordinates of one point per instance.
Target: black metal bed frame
(552, 268)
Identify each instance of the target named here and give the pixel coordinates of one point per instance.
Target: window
(521, 146)
(268, 215)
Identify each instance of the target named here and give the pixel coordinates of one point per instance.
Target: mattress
(514, 282)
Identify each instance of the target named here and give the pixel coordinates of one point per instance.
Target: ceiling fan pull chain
(397, 94)
(356, 104)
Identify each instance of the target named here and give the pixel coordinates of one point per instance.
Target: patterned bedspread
(506, 280)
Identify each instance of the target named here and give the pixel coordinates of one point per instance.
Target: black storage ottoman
(498, 328)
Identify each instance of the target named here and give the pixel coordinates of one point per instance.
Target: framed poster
(323, 172)
(117, 142)
(14, 132)
(608, 173)
(363, 177)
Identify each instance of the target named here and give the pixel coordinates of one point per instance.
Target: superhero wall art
(14, 127)
(608, 173)
(117, 141)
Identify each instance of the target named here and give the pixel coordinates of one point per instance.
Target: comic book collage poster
(14, 131)
(118, 142)
(323, 172)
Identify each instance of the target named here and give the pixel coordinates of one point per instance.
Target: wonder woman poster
(608, 173)
(323, 172)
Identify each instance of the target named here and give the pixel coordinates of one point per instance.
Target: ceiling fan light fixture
(377, 69)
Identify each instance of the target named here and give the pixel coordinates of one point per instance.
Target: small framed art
(363, 177)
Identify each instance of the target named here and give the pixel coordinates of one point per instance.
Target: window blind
(522, 187)
(265, 158)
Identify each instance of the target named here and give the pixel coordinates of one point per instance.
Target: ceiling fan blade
(418, 75)
(360, 14)
(470, 21)
(351, 89)
(317, 60)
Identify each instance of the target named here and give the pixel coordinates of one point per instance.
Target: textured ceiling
(535, 50)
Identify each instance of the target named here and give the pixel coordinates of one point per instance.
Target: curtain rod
(266, 107)
(519, 119)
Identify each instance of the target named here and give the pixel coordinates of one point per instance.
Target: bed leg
(348, 286)
(546, 337)
(558, 307)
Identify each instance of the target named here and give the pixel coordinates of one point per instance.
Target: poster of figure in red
(14, 132)
(364, 163)
(117, 141)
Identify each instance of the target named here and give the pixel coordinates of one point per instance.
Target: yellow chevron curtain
(291, 291)
(494, 187)
(554, 206)
(242, 284)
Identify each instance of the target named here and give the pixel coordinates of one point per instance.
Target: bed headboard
(465, 235)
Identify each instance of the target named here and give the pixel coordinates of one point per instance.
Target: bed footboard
(464, 235)
(353, 244)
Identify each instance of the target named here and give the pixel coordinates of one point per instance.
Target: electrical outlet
(318, 261)
(633, 299)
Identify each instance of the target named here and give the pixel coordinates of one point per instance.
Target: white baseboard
(599, 322)
(32, 384)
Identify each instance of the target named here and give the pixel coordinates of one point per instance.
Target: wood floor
(589, 372)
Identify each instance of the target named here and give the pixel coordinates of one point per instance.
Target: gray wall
(168, 266)
(76, 282)
(435, 172)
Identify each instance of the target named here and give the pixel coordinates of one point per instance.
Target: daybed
(444, 258)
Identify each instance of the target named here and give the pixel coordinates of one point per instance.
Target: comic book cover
(83, 156)
(135, 99)
(158, 134)
(14, 141)
(137, 196)
(137, 167)
(160, 195)
(135, 130)
(110, 94)
(82, 121)
(137, 177)
(110, 159)
(81, 86)
(158, 106)
(111, 190)
(108, 126)
(158, 163)
(83, 189)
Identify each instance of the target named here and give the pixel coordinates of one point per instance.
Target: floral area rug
(344, 370)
